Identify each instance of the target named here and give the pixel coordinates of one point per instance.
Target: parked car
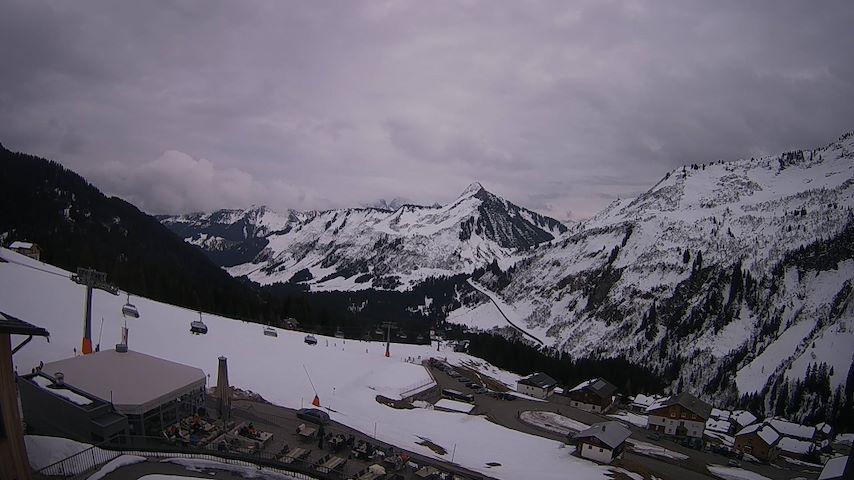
(733, 463)
(655, 436)
(313, 415)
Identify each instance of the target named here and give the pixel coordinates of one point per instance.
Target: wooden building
(682, 415)
(759, 440)
(13, 453)
(29, 249)
(595, 395)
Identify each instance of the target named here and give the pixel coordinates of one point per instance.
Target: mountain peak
(472, 189)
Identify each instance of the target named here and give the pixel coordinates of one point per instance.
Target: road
(491, 297)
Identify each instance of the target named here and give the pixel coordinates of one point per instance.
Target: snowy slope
(706, 273)
(361, 248)
(348, 374)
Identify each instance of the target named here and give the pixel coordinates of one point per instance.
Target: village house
(640, 402)
(835, 469)
(595, 395)
(823, 431)
(602, 442)
(29, 249)
(537, 385)
(759, 440)
(791, 429)
(682, 415)
(794, 448)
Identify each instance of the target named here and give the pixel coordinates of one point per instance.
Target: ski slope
(348, 374)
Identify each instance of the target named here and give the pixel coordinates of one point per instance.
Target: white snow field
(348, 374)
(553, 422)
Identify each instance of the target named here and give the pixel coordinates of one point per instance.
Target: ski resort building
(682, 415)
(595, 395)
(602, 442)
(537, 385)
(145, 394)
(13, 452)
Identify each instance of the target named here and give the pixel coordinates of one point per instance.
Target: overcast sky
(558, 106)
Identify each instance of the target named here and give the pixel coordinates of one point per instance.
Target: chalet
(13, 451)
(794, 448)
(759, 440)
(791, 429)
(538, 385)
(682, 415)
(29, 249)
(742, 418)
(602, 442)
(595, 395)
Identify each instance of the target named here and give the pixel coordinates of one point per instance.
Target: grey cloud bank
(558, 106)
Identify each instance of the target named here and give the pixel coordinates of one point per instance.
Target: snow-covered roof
(135, 382)
(598, 386)
(644, 401)
(609, 433)
(454, 405)
(824, 428)
(721, 414)
(718, 425)
(26, 245)
(791, 429)
(743, 417)
(764, 431)
(833, 469)
(793, 445)
(540, 380)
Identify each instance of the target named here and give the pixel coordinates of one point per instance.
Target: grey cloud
(559, 106)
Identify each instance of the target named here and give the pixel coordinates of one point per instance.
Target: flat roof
(135, 382)
(10, 324)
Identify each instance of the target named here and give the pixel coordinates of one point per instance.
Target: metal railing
(84, 463)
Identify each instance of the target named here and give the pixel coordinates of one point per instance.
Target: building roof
(764, 431)
(133, 381)
(824, 428)
(833, 469)
(599, 386)
(718, 425)
(793, 445)
(609, 433)
(743, 417)
(687, 401)
(16, 326)
(791, 429)
(540, 380)
(21, 245)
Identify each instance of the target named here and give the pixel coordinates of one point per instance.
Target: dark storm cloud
(555, 105)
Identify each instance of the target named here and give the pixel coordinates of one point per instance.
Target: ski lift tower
(91, 279)
(388, 326)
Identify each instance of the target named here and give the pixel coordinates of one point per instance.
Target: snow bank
(115, 464)
(731, 473)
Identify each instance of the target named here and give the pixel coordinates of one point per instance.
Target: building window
(673, 414)
(601, 451)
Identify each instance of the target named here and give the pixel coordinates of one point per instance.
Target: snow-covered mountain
(728, 277)
(359, 248)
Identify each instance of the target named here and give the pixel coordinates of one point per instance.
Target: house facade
(595, 395)
(682, 415)
(759, 440)
(538, 385)
(602, 442)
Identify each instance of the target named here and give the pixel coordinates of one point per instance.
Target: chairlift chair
(129, 309)
(198, 327)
